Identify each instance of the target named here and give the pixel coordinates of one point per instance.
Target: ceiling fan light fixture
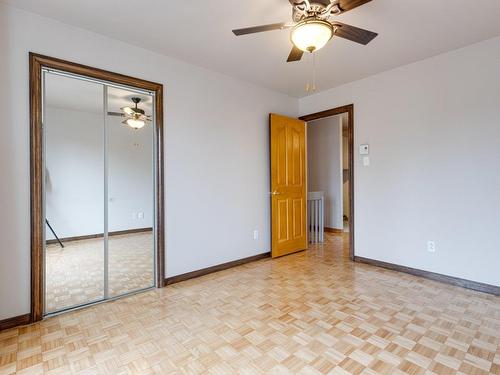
(135, 123)
(311, 35)
(136, 117)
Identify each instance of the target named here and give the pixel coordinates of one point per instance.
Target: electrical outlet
(140, 215)
(431, 246)
(255, 234)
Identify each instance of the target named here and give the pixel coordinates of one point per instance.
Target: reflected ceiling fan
(136, 118)
(313, 25)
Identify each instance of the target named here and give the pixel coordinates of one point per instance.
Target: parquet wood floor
(308, 313)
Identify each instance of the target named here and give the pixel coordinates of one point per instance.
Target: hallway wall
(324, 150)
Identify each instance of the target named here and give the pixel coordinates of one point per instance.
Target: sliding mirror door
(99, 194)
(74, 192)
(130, 190)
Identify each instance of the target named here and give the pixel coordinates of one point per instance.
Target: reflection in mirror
(129, 153)
(74, 192)
(98, 191)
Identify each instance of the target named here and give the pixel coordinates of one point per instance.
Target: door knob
(275, 193)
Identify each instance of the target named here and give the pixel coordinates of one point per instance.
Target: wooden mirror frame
(36, 64)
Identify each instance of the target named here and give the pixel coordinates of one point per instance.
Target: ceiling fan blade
(295, 54)
(353, 33)
(118, 114)
(128, 110)
(346, 5)
(259, 29)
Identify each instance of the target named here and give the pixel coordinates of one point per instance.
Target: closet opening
(97, 186)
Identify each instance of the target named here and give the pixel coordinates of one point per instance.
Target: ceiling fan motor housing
(322, 9)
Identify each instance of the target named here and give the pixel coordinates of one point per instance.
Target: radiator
(315, 216)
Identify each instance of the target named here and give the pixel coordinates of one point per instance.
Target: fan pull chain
(314, 72)
(311, 87)
(136, 141)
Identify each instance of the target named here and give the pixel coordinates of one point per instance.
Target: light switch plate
(364, 149)
(366, 161)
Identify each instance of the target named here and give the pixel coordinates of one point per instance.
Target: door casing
(38, 62)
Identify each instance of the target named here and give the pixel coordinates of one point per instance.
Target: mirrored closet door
(98, 191)
(130, 195)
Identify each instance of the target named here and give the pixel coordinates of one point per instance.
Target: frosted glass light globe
(311, 35)
(134, 123)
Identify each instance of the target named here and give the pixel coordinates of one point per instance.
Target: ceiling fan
(136, 118)
(313, 25)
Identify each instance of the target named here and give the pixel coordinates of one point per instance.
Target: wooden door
(288, 185)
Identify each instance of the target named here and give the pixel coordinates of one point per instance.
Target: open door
(288, 185)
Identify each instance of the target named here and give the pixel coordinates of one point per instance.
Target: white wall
(130, 176)
(433, 129)
(345, 165)
(74, 192)
(324, 151)
(74, 172)
(216, 147)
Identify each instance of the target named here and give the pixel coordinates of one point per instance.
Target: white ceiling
(199, 32)
(75, 94)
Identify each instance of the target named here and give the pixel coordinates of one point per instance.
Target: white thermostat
(364, 150)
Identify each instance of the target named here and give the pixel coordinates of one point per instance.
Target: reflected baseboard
(333, 230)
(100, 235)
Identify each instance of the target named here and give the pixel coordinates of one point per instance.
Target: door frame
(349, 109)
(37, 63)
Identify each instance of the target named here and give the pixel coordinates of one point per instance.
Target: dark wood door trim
(349, 109)
(36, 64)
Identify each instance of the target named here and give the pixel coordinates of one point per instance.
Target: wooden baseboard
(468, 284)
(100, 235)
(217, 268)
(334, 230)
(15, 321)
